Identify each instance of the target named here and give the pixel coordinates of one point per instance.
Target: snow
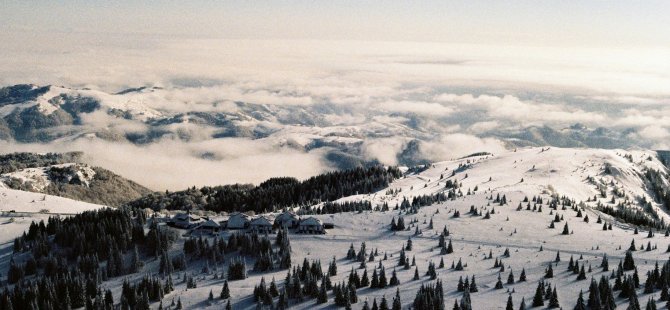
(29, 202)
(37, 179)
(561, 171)
(19, 208)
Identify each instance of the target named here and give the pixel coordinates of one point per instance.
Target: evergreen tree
(522, 306)
(522, 277)
(580, 302)
(510, 304)
(550, 272)
(538, 299)
(225, 291)
(397, 305)
(628, 262)
(553, 301)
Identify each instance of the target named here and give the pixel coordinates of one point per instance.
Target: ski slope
(532, 244)
(544, 171)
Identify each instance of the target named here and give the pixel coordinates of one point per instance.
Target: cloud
(176, 165)
(384, 150)
(458, 145)
(371, 97)
(655, 133)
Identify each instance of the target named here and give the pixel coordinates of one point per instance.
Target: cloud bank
(367, 99)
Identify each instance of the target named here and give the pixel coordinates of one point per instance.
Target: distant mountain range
(144, 115)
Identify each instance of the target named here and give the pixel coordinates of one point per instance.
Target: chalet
(311, 225)
(261, 225)
(287, 219)
(238, 221)
(208, 227)
(185, 220)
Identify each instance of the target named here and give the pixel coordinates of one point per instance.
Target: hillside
(579, 174)
(72, 180)
(20, 208)
(507, 214)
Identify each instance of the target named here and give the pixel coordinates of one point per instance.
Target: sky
(533, 22)
(462, 70)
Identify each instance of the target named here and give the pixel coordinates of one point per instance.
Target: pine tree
(397, 305)
(538, 299)
(553, 301)
(628, 262)
(382, 278)
(364, 279)
(383, 305)
(566, 230)
(522, 277)
(582, 274)
(394, 279)
(594, 296)
(473, 285)
(550, 272)
(499, 284)
(522, 306)
(580, 302)
(651, 303)
(323, 294)
(225, 291)
(510, 304)
(374, 283)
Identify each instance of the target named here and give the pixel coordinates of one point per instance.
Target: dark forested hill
(275, 193)
(18, 161)
(64, 176)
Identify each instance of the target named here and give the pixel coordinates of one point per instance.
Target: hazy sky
(461, 69)
(534, 22)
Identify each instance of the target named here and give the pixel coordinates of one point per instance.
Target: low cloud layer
(176, 165)
(453, 99)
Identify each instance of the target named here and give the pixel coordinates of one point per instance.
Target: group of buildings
(240, 221)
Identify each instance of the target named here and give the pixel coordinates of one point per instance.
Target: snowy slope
(563, 171)
(523, 232)
(28, 207)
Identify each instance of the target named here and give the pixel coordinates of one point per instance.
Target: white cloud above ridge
(448, 93)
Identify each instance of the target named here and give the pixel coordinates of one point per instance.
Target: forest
(275, 193)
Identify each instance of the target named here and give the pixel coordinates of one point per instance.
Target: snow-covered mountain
(346, 135)
(579, 174)
(521, 210)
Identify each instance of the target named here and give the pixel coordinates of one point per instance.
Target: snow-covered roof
(209, 224)
(286, 215)
(261, 221)
(311, 221)
(239, 215)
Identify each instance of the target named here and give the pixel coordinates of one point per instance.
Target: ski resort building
(287, 219)
(261, 225)
(311, 225)
(238, 221)
(185, 220)
(208, 227)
